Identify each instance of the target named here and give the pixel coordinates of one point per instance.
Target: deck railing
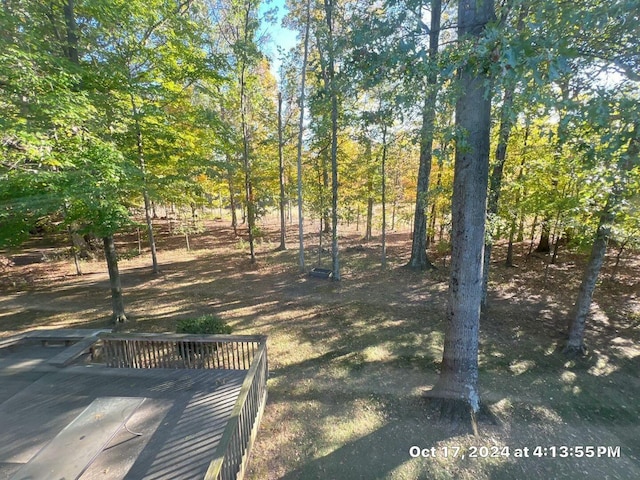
(238, 352)
(148, 350)
(233, 452)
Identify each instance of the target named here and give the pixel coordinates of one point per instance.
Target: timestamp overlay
(534, 451)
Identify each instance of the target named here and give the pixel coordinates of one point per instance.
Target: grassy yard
(349, 361)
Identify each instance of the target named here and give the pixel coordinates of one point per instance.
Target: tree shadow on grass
(372, 456)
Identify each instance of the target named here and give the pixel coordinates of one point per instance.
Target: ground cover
(349, 361)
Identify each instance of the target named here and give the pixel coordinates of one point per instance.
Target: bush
(204, 325)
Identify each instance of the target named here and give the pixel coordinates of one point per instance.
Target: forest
(473, 156)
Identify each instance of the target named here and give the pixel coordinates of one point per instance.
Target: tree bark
(370, 200)
(72, 38)
(516, 208)
(369, 219)
(117, 302)
(621, 248)
(543, 244)
(331, 84)
(300, 138)
(495, 183)
(384, 196)
(509, 260)
(575, 343)
(283, 224)
(431, 234)
(419, 259)
(325, 188)
(74, 250)
(558, 237)
(248, 182)
(507, 120)
(534, 225)
(458, 382)
(232, 203)
(145, 192)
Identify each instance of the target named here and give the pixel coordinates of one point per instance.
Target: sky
(281, 37)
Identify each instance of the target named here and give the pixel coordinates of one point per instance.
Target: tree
(287, 96)
(419, 259)
(605, 110)
(303, 76)
(238, 29)
(55, 162)
(283, 224)
(457, 386)
(627, 162)
(139, 74)
(332, 89)
(507, 120)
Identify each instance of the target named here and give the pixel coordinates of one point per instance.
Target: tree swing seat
(321, 272)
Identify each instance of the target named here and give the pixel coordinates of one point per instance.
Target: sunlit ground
(349, 361)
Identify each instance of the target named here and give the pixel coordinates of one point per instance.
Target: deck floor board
(181, 420)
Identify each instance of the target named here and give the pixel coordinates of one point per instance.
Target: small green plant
(241, 245)
(128, 254)
(203, 325)
(258, 233)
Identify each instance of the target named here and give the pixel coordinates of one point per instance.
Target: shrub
(203, 325)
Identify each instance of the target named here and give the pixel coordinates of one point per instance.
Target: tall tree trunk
(575, 343)
(520, 235)
(283, 224)
(72, 53)
(394, 208)
(512, 230)
(72, 231)
(72, 39)
(232, 203)
(507, 120)
(534, 225)
(621, 248)
(457, 386)
(248, 184)
(495, 183)
(431, 234)
(369, 219)
(117, 302)
(516, 207)
(544, 245)
(74, 250)
(557, 232)
(300, 137)
(325, 187)
(431, 230)
(368, 155)
(145, 192)
(616, 265)
(320, 244)
(331, 83)
(248, 181)
(419, 259)
(384, 196)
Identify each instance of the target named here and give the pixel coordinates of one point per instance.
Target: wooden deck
(86, 436)
(173, 434)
